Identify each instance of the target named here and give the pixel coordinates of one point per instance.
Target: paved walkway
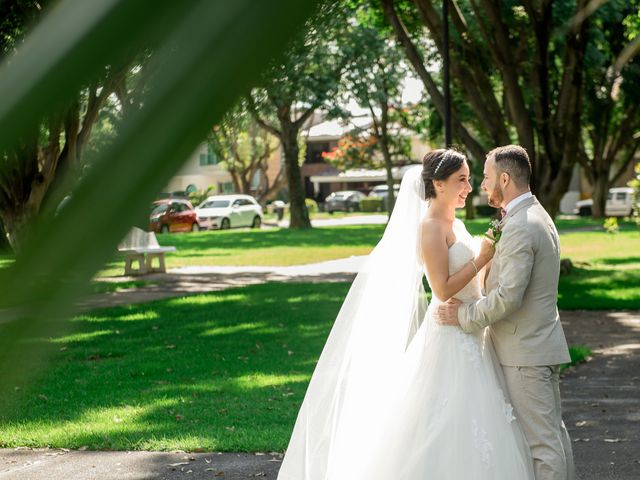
(601, 399)
(191, 280)
(373, 219)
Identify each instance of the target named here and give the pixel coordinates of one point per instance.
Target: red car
(173, 215)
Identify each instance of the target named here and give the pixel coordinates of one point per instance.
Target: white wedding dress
(454, 421)
(394, 395)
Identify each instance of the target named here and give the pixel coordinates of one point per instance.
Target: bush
(312, 205)
(611, 225)
(199, 196)
(371, 204)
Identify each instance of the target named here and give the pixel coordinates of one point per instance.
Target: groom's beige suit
(520, 309)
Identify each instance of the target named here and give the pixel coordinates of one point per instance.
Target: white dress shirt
(517, 200)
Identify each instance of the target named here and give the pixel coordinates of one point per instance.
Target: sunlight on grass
(81, 337)
(233, 329)
(590, 246)
(223, 371)
(266, 380)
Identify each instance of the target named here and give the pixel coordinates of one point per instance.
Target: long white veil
(347, 401)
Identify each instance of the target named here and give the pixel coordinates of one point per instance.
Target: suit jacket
(522, 291)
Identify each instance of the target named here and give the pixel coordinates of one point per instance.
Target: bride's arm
(435, 254)
(484, 274)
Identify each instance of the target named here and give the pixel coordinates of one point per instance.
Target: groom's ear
(505, 179)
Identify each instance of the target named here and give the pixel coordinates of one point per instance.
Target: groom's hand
(447, 313)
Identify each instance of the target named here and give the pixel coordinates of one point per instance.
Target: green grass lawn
(225, 371)
(606, 273)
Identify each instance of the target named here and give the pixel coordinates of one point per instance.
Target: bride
(395, 395)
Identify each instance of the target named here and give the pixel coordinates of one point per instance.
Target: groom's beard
(496, 197)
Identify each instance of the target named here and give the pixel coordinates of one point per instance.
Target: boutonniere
(495, 227)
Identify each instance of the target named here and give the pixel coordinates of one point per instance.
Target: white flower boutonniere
(495, 231)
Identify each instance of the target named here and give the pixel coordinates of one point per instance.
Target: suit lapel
(523, 204)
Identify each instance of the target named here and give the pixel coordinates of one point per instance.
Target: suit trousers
(535, 397)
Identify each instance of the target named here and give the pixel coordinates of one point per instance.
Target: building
(320, 178)
(201, 171)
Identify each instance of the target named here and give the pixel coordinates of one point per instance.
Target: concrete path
(192, 280)
(46, 464)
(601, 399)
(373, 219)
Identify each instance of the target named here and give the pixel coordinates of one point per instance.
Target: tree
(520, 69)
(635, 184)
(355, 150)
(374, 79)
(197, 79)
(245, 149)
(292, 90)
(611, 119)
(54, 148)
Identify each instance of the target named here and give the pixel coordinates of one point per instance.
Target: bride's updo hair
(439, 165)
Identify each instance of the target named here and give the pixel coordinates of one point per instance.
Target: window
(621, 196)
(226, 187)
(315, 150)
(159, 209)
(215, 204)
(208, 159)
(179, 207)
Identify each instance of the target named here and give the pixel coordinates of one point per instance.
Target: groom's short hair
(512, 159)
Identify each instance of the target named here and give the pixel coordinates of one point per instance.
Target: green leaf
(208, 53)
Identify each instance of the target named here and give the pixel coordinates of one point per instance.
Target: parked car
(382, 191)
(345, 201)
(229, 211)
(619, 204)
(173, 215)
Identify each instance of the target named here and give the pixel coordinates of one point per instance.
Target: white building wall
(202, 176)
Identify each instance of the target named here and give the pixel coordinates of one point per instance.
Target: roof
(361, 175)
(337, 128)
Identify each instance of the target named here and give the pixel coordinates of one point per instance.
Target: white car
(619, 204)
(229, 211)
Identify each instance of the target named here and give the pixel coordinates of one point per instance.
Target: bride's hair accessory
(444, 157)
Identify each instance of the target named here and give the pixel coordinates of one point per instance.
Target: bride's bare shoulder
(433, 229)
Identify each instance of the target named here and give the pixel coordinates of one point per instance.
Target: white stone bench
(142, 247)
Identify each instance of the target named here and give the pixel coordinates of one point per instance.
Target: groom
(520, 310)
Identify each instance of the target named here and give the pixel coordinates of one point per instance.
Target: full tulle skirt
(444, 417)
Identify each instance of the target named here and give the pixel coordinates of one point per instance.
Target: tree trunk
(16, 225)
(299, 215)
(386, 154)
(469, 209)
(600, 193)
(5, 246)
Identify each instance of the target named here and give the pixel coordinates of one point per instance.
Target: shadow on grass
(225, 371)
(619, 261)
(599, 288)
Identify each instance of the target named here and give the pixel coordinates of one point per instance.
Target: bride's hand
(487, 250)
